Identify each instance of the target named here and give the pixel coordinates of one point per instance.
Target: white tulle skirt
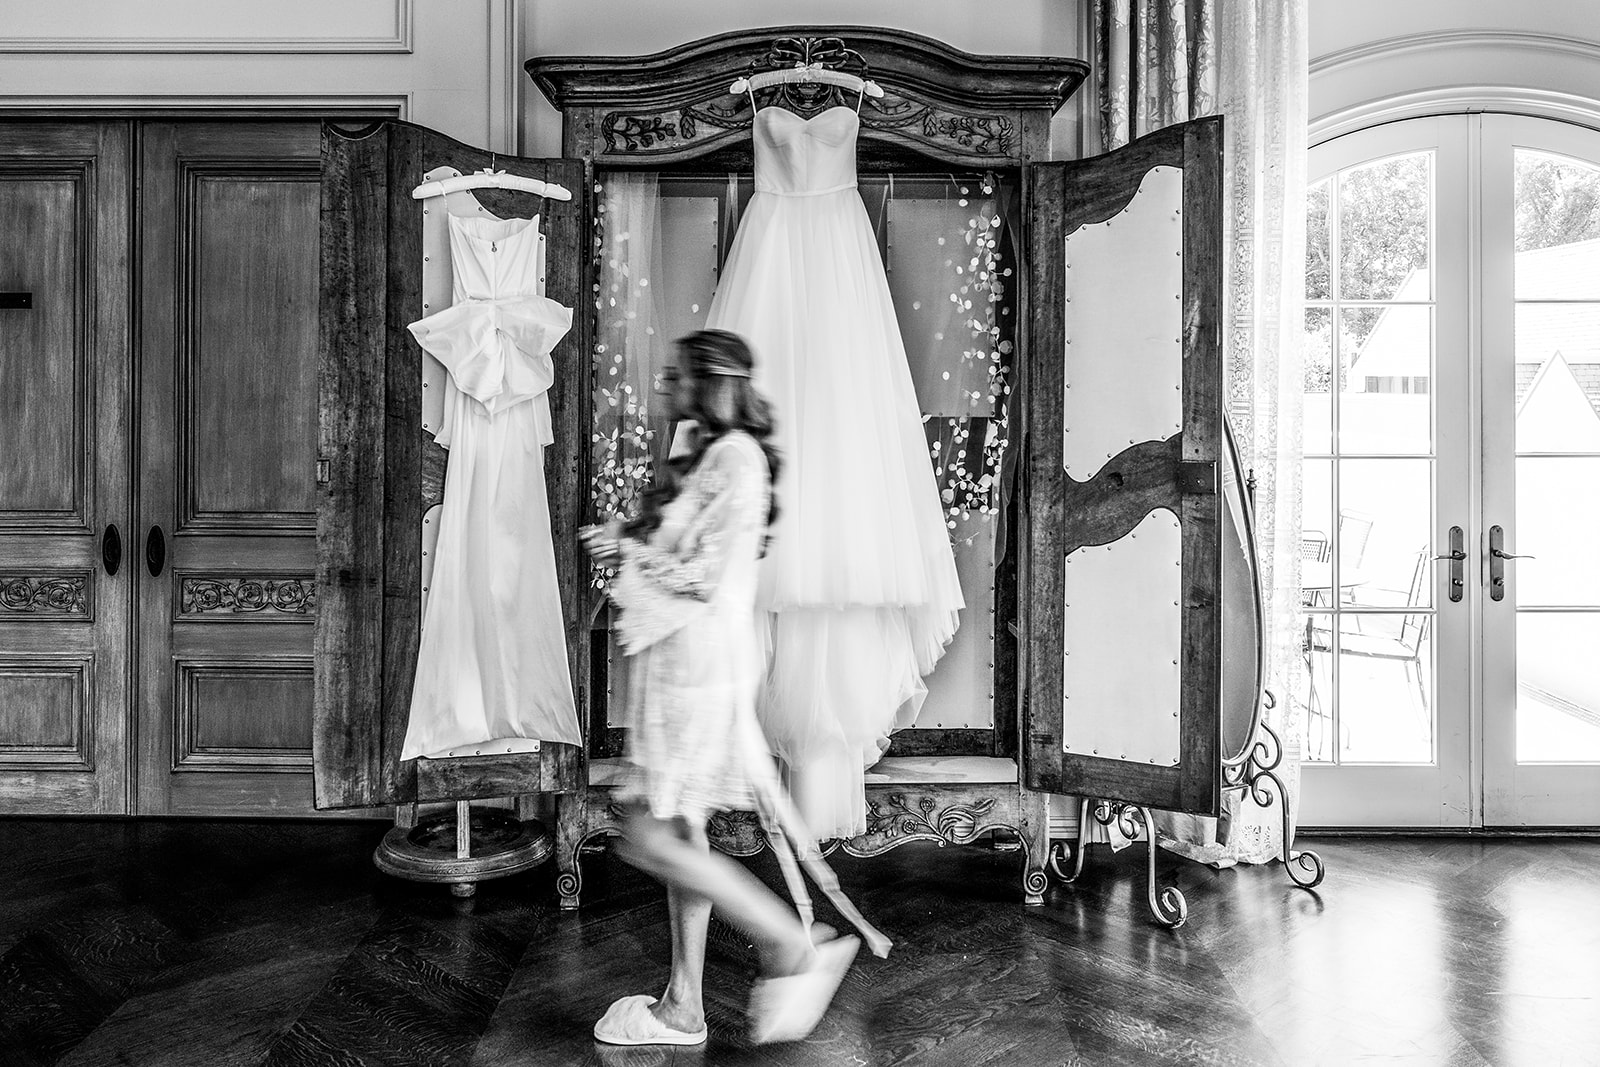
(860, 581)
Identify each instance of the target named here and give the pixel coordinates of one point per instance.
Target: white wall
(453, 66)
(1373, 60)
(636, 27)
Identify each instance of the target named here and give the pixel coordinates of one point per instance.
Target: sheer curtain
(631, 345)
(1165, 61)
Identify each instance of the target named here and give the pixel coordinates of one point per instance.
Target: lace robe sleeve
(664, 583)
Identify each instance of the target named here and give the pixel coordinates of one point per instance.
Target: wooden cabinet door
(224, 549)
(383, 469)
(64, 479)
(1121, 608)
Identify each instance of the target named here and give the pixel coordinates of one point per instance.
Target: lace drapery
(1166, 61)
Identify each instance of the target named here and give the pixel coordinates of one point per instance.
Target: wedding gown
(493, 657)
(860, 581)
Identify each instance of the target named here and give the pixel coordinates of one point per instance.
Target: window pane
(1381, 540)
(1384, 210)
(1557, 227)
(1558, 377)
(1558, 689)
(1319, 242)
(1386, 356)
(1316, 533)
(1558, 514)
(1386, 694)
(1317, 425)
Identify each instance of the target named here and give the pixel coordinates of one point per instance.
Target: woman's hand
(603, 542)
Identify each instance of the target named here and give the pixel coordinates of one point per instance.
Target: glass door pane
(1384, 477)
(1542, 471)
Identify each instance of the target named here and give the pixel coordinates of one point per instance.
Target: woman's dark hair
(724, 401)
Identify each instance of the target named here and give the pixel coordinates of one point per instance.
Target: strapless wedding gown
(860, 583)
(492, 664)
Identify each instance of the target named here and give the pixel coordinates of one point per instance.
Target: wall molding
(504, 71)
(1411, 45)
(397, 42)
(230, 105)
(1456, 100)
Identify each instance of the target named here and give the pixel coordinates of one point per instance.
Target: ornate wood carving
(642, 135)
(938, 101)
(223, 595)
(46, 594)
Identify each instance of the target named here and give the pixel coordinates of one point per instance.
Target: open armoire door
(381, 474)
(1122, 619)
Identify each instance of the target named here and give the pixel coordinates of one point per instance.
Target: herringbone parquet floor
(198, 943)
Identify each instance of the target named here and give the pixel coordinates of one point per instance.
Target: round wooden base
(497, 843)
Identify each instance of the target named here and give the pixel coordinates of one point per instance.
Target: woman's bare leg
(698, 880)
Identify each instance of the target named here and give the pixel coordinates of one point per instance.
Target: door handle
(111, 550)
(155, 551)
(1497, 563)
(1458, 561)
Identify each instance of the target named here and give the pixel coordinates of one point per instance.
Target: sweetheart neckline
(805, 119)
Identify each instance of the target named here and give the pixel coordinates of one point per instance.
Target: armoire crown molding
(692, 73)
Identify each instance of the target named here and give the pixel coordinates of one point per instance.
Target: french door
(1452, 476)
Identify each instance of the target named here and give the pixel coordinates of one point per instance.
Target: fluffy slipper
(789, 1008)
(629, 1022)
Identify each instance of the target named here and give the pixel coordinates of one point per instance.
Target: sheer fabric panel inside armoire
(948, 247)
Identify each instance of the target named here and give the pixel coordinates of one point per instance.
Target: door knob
(111, 550)
(155, 551)
(1497, 563)
(1458, 558)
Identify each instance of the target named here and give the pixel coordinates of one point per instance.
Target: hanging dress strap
(750, 90)
(860, 96)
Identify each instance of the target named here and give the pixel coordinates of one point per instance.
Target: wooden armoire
(1062, 323)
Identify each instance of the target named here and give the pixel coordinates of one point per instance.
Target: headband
(728, 372)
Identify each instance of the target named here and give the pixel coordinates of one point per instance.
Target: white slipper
(789, 1008)
(628, 1022)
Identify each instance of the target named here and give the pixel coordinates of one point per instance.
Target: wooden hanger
(489, 178)
(802, 73)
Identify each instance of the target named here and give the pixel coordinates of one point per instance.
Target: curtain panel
(1164, 61)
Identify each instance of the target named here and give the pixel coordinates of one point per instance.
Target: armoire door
(66, 557)
(1126, 455)
(382, 470)
(225, 544)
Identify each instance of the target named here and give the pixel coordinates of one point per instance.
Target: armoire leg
(571, 815)
(1034, 830)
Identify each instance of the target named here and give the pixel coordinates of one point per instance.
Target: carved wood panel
(247, 294)
(243, 716)
(49, 720)
(45, 433)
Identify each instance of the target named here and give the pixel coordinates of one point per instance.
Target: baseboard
(1448, 831)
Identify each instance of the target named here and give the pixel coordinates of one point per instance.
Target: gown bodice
(797, 156)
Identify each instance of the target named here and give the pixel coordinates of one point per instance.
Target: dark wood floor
(277, 943)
